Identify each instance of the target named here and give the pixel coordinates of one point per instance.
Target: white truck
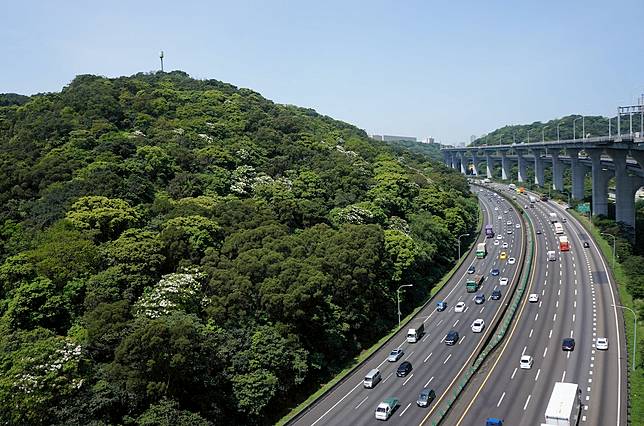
(533, 199)
(553, 217)
(386, 408)
(564, 406)
(414, 334)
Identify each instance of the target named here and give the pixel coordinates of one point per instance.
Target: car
(586, 244)
(525, 206)
(425, 397)
(479, 299)
(512, 261)
(503, 255)
(496, 208)
(503, 281)
(563, 220)
(533, 298)
(506, 211)
(478, 325)
(497, 242)
(496, 294)
(481, 190)
(514, 197)
(509, 231)
(505, 245)
(498, 237)
(471, 269)
(601, 343)
(500, 217)
(403, 369)
(509, 223)
(395, 355)
(494, 271)
(526, 362)
(568, 344)
(459, 307)
(538, 231)
(451, 338)
(518, 225)
(441, 306)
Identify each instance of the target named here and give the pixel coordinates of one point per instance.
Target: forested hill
(180, 251)
(592, 125)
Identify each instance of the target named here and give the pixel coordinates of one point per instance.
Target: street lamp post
(459, 243)
(611, 235)
(574, 132)
(634, 330)
(568, 194)
(398, 300)
(529, 134)
(583, 127)
(558, 124)
(543, 133)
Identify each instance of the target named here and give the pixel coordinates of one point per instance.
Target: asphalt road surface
(435, 365)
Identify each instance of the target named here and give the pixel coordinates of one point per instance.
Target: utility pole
(398, 300)
(161, 57)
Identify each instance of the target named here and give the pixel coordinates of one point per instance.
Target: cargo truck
(553, 217)
(386, 408)
(564, 245)
(558, 228)
(474, 283)
(533, 199)
(564, 405)
(481, 250)
(414, 334)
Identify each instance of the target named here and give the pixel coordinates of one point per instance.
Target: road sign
(583, 207)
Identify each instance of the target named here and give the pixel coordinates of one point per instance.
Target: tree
(36, 304)
(168, 413)
(108, 216)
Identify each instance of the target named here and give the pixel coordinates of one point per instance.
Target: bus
(481, 250)
(558, 228)
(489, 231)
(564, 245)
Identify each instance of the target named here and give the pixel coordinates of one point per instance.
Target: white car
(533, 298)
(518, 226)
(496, 242)
(509, 223)
(478, 325)
(512, 261)
(505, 245)
(395, 355)
(498, 237)
(601, 343)
(496, 208)
(500, 217)
(503, 281)
(506, 211)
(526, 362)
(459, 307)
(509, 231)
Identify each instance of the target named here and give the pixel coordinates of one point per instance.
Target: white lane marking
(361, 402)
(574, 304)
(568, 355)
(447, 359)
(461, 340)
(543, 292)
(342, 399)
(554, 317)
(557, 304)
(481, 311)
(537, 378)
(531, 330)
(572, 332)
(403, 411)
(526, 403)
(428, 382)
(501, 399)
(425, 338)
(439, 323)
(390, 374)
(428, 356)
(408, 355)
(563, 377)
(573, 317)
(550, 334)
(545, 351)
(540, 302)
(524, 349)
(408, 379)
(455, 323)
(536, 317)
(513, 373)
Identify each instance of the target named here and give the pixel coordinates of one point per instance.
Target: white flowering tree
(357, 214)
(174, 292)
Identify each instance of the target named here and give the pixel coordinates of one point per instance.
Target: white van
(552, 256)
(372, 378)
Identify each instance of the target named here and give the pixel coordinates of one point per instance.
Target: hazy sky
(447, 69)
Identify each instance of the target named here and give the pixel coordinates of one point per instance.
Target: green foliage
(216, 255)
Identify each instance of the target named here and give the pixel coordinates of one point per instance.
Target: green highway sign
(583, 208)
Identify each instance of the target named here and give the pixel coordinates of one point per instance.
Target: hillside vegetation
(184, 252)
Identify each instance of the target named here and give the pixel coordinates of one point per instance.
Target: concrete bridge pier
(447, 158)
(505, 166)
(538, 167)
(489, 165)
(463, 163)
(475, 163)
(600, 183)
(557, 170)
(521, 175)
(625, 188)
(578, 174)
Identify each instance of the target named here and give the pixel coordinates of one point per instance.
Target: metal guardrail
(494, 341)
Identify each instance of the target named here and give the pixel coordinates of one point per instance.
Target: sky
(445, 69)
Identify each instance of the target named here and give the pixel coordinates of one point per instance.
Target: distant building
(429, 140)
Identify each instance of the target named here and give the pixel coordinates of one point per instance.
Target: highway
(435, 365)
(575, 298)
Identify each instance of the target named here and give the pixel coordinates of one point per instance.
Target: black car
(496, 295)
(586, 244)
(441, 306)
(495, 271)
(471, 269)
(425, 397)
(451, 338)
(568, 344)
(479, 299)
(403, 369)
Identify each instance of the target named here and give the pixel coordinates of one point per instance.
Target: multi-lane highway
(575, 297)
(435, 365)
